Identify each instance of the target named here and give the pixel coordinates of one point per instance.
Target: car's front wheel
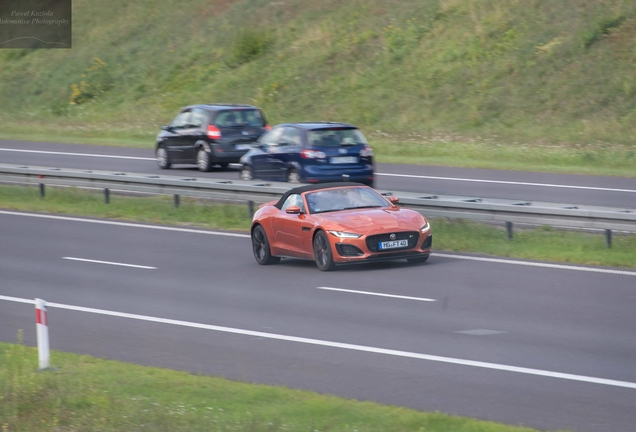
(203, 160)
(293, 176)
(418, 260)
(260, 246)
(246, 173)
(163, 158)
(322, 252)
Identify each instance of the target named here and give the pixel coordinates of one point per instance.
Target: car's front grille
(411, 236)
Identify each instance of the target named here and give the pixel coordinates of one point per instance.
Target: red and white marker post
(43, 333)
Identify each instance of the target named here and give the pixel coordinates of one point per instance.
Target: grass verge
(542, 243)
(91, 394)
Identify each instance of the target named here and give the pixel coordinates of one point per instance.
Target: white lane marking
(347, 346)
(109, 263)
(377, 294)
(77, 154)
(436, 254)
(126, 224)
(508, 182)
(536, 264)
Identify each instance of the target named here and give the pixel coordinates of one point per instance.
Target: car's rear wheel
(246, 173)
(260, 246)
(203, 160)
(418, 260)
(322, 252)
(163, 158)
(293, 176)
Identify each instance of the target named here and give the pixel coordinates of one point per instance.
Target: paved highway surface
(562, 188)
(505, 340)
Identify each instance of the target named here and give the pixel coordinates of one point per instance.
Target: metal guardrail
(465, 207)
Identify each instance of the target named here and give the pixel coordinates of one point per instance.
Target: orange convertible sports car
(338, 223)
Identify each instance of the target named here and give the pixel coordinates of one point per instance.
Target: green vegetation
(91, 394)
(542, 243)
(507, 80)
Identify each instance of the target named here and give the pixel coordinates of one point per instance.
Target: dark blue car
(310, 153)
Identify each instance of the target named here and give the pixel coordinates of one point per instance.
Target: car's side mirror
(293, 210)
(394, 200)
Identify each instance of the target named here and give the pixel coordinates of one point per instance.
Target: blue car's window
(292, 136)
(344, 199)
(335, 137)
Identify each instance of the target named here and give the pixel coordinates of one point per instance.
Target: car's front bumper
(421, 249)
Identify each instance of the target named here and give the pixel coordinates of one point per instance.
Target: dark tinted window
(335, 137)
(239, 117)
(181, 120)
(199, 118)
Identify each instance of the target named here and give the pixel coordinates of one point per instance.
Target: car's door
(176, 143)
(289, 144)
(194, 132)
(262, 163)
(292, 231)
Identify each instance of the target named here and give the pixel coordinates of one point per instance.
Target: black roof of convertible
(312, 187)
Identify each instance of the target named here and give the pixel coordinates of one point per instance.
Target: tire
(418, 260)
(322, 252)
(203, 160)
(293, 176)
(260, 247)
(163, 158)
(246, 173)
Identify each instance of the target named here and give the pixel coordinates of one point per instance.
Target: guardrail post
(250, 208)
(41, 190)
(42, 325)
(509, 230)
(107, 196)
(608, 238)
(176, 201)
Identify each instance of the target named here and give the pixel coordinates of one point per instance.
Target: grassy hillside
(517, 72)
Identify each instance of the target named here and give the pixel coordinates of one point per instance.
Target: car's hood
(372, 220)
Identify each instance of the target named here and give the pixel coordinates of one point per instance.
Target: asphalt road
(547, 347)
(560, 188)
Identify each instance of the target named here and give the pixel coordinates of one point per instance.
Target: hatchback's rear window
(335, 137)
(239, 117)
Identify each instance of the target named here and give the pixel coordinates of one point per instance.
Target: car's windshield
(344, 199)
(335, 137)
(239, 117)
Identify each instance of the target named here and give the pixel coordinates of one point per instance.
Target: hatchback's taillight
(214, 132)
(267, 127)
(366, 152)
(312, 154)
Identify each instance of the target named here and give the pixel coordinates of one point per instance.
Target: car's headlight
(426, 226)
(341, 234)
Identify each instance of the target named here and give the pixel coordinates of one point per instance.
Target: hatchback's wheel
(322, 252)
(293, 176)
(246, 173)
(418, 260)
(163, 158)
(260, 246)
(203, 160)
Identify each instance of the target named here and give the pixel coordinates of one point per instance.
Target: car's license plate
(343, 159)
(243, 146)
(393, 244)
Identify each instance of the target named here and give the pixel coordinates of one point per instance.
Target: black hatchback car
(208, 135)
(310, 153)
